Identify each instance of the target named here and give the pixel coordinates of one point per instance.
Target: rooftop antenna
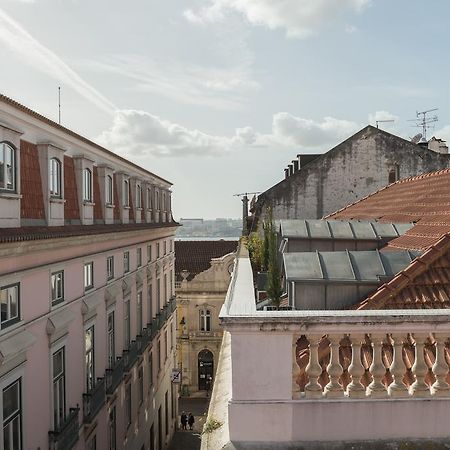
(244, 196)
(59, 105)
(424, 122)
(384, 121)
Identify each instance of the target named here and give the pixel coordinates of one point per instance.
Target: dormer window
(138, 196)
(55, 177)
(109, 190)
(7, 167)
(126, 193)
(87, 185)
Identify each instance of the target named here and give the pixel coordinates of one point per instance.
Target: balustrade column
(419, 388)
(376, 389)
(397, 388)
(313, 388)
(334, 389)
(356, 369)
(295, 370)
(440, 387)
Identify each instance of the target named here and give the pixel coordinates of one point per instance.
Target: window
(126, 318)
(166, 411)
(171, 283)
(149, 199)
(126, 262)
(139, 256)
(128, 404)
(165, 288)
(87, 185)
(111, 340)
(139, 312)
(158, 357)
(59, 388)
(171, 245)
(126, 193)
(149, 304)
(110, 267)
(394, 174)
(149, 252)
(112, 433)
(109, 190)
(150, 369)
(138, 196)
(157, 250)
(57, 282)
(10, 305)
(165, 247)
(7, 167)
(88, 276)
(171, 336)
(55, 177)
(165, 346)
(157, 200)
(89, 358)
(12, 416)
(205, 320)
(163, 197)
(158, 295)
(141, 384)
(92, 444)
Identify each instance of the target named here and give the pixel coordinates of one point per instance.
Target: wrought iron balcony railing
(66, 436)
(130, 356)
(114, 376)
(94, 400)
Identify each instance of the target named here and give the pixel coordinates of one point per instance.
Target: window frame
(112, 428)
(55, 177)
(90, 286)
(139, 256)
(12, 320)
(57, 300)
(89, 361)
(111, 339)
(109, 190)
(139, 310)
(205, 320)
(126, 261)
(138, 196)
(55, 380)
(16, 414)
(3, 157)
(110, 267)
(87, 185)
(126, 193)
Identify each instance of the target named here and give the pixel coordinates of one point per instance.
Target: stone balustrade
(371, 365)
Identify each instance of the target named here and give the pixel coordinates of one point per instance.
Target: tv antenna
(425, 122)
(384, 121)
(59, 105)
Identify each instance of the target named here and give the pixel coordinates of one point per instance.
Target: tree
(274, 287)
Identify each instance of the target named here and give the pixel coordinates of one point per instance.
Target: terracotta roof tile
(195, 256)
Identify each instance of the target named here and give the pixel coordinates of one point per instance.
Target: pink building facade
(87, 332)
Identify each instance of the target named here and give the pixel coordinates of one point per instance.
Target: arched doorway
(205, 370)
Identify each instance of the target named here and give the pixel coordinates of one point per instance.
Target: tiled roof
(425, 283)
(32, 203)
(195, 256)
(30, 112)
(424, 199)
(38, 233)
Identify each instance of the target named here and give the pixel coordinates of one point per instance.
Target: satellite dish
(416, 139)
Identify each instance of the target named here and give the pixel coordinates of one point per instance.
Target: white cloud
(140, 133)
(350, 29)
(443, 133)
(31, 52)
(217, 87)
(299, 18)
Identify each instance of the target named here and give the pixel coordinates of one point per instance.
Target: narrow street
(190, 440)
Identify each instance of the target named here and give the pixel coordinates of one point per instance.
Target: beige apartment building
(202, 272)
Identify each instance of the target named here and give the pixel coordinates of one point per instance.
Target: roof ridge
(418, 266)
(74, 134)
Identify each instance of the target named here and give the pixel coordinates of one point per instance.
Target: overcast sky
(219, 95)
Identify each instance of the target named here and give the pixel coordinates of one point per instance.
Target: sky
(218, 96)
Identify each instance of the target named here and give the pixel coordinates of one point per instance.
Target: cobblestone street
(190, 440)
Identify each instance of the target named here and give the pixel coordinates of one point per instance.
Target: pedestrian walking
(191, 421)
(184, 420)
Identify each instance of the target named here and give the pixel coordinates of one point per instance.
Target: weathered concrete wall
(355, 168)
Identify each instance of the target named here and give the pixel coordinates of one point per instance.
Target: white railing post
(295, 370)
(419, 388)
(440, 387)
(333, 389)
(355, 389)
(397, 388)
(313, 389)
(376, 389)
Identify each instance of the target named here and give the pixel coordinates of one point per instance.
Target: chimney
(291, 169)
(295, 163)
(437, 145)
(286, 173)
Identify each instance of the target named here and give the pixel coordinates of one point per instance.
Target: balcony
(140, 344)
(94, 400)
(205, 334)
(66, 436)
(114, 376)
(130, 356)
(327, 376)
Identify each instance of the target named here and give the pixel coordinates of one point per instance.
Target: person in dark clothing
(191, 421)
(184, 420)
